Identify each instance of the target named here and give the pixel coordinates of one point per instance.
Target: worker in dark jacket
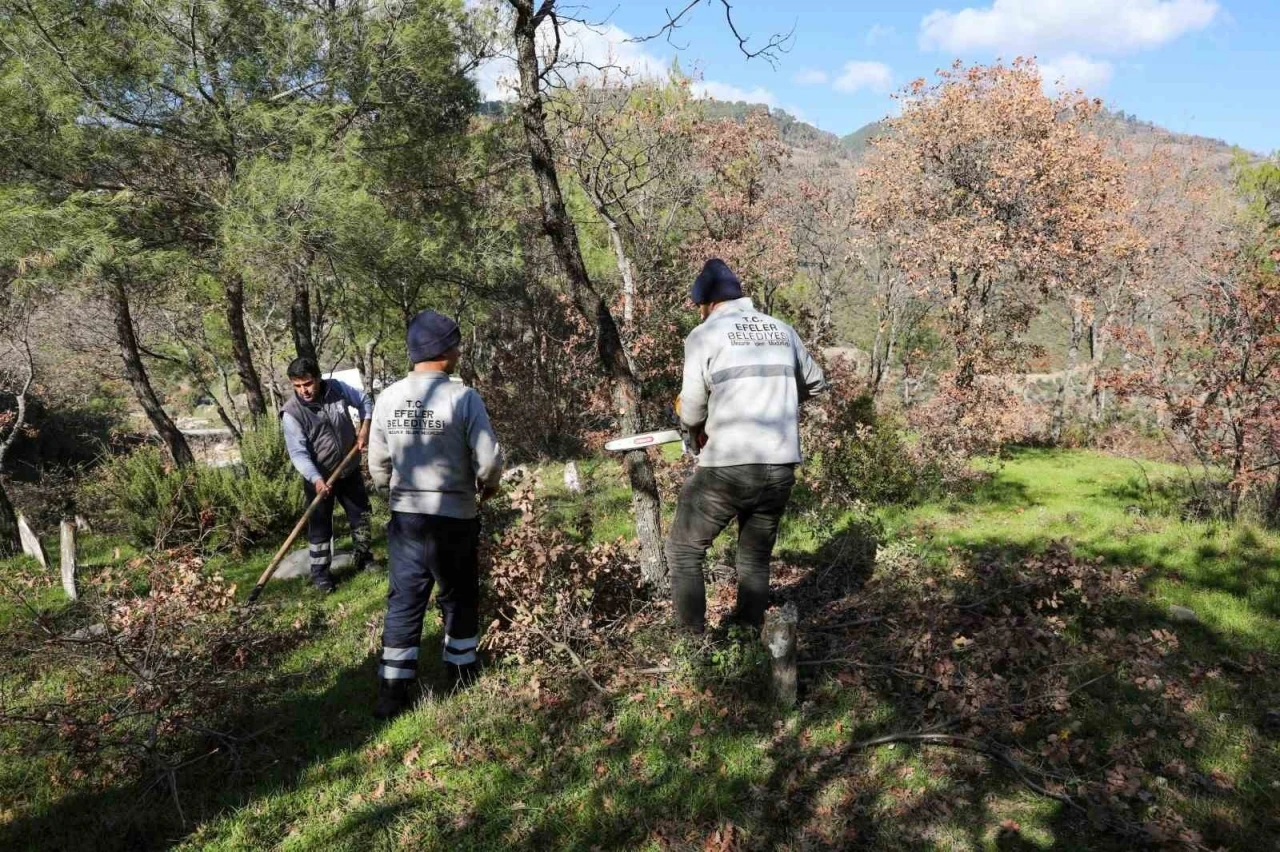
(435, 452)
(745, 375)
(319, 433)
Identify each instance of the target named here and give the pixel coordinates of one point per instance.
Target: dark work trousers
(755, 494)
(426, 550)
(351, 493)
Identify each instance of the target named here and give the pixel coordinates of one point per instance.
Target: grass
(1230, 576)
(695, 758)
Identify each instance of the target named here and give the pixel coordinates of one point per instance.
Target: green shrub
(268, 491)
(857, 455)
(163, 507)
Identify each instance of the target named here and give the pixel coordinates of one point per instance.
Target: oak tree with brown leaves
(994, 197)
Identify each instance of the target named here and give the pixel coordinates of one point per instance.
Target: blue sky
(1210, 67)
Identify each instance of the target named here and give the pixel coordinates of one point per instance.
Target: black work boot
(394, 697)
(323, 581)
(462, 676)
(361, 552)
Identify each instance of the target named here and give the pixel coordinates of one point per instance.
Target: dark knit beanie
(715, 283)
(430, 335)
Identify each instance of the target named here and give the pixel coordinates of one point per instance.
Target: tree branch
(21, 417)
(778, 43)
(565, 649)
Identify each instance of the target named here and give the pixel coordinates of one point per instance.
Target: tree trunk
(826, 318)
(365, 361)
(231, 400)
(202, 383)
(1272, 519)
(231, 425)
(826, 299)
(233, 288)
(882, 346)
(967, 372)
(625, 389)
(1096, 394)
(968, 318)
(67, 554)
(895, 314)
(300, 318)
(875, 369)
(10, 541)
(136, 374)
(270, 382)
(1062, 398)
(624, 269)
(1237, 468)
(276, 402)
(779, 637)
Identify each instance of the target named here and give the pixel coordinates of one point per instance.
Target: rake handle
(302, 522)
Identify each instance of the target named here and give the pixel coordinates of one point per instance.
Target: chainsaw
(645, 439)
(662, 436)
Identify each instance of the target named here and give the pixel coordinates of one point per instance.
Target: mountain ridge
(804, 136)
(801, 134)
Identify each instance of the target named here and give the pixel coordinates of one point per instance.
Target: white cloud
(1073, 71)
(810, 77)
(496, 80)
(728, 92)
(604, 52)
(872, 76)
(585, 52)
(879, 33)
(1031, 25)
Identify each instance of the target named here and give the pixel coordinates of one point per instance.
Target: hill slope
(970, 604)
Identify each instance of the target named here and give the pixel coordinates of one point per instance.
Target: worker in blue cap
(745, 375)
(432, 446)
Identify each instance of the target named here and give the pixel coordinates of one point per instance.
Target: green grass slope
(692, 756)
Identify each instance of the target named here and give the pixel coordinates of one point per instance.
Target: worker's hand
(486, 491)
(362, 437)
(322, 487)
(698, 434)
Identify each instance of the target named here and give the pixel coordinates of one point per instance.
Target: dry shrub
(149, 680)
(551, 593)
(957, 424)
(538, 367)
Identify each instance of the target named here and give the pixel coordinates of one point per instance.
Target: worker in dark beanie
(745, 375)
(433, 448)
(715, 283)
(318, 434)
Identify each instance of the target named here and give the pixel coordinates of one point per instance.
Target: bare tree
(17, 375)
(824, 235)
(629, 146)
(891, 295)
(589, 300)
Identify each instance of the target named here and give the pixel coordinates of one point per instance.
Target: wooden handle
(302, 522)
